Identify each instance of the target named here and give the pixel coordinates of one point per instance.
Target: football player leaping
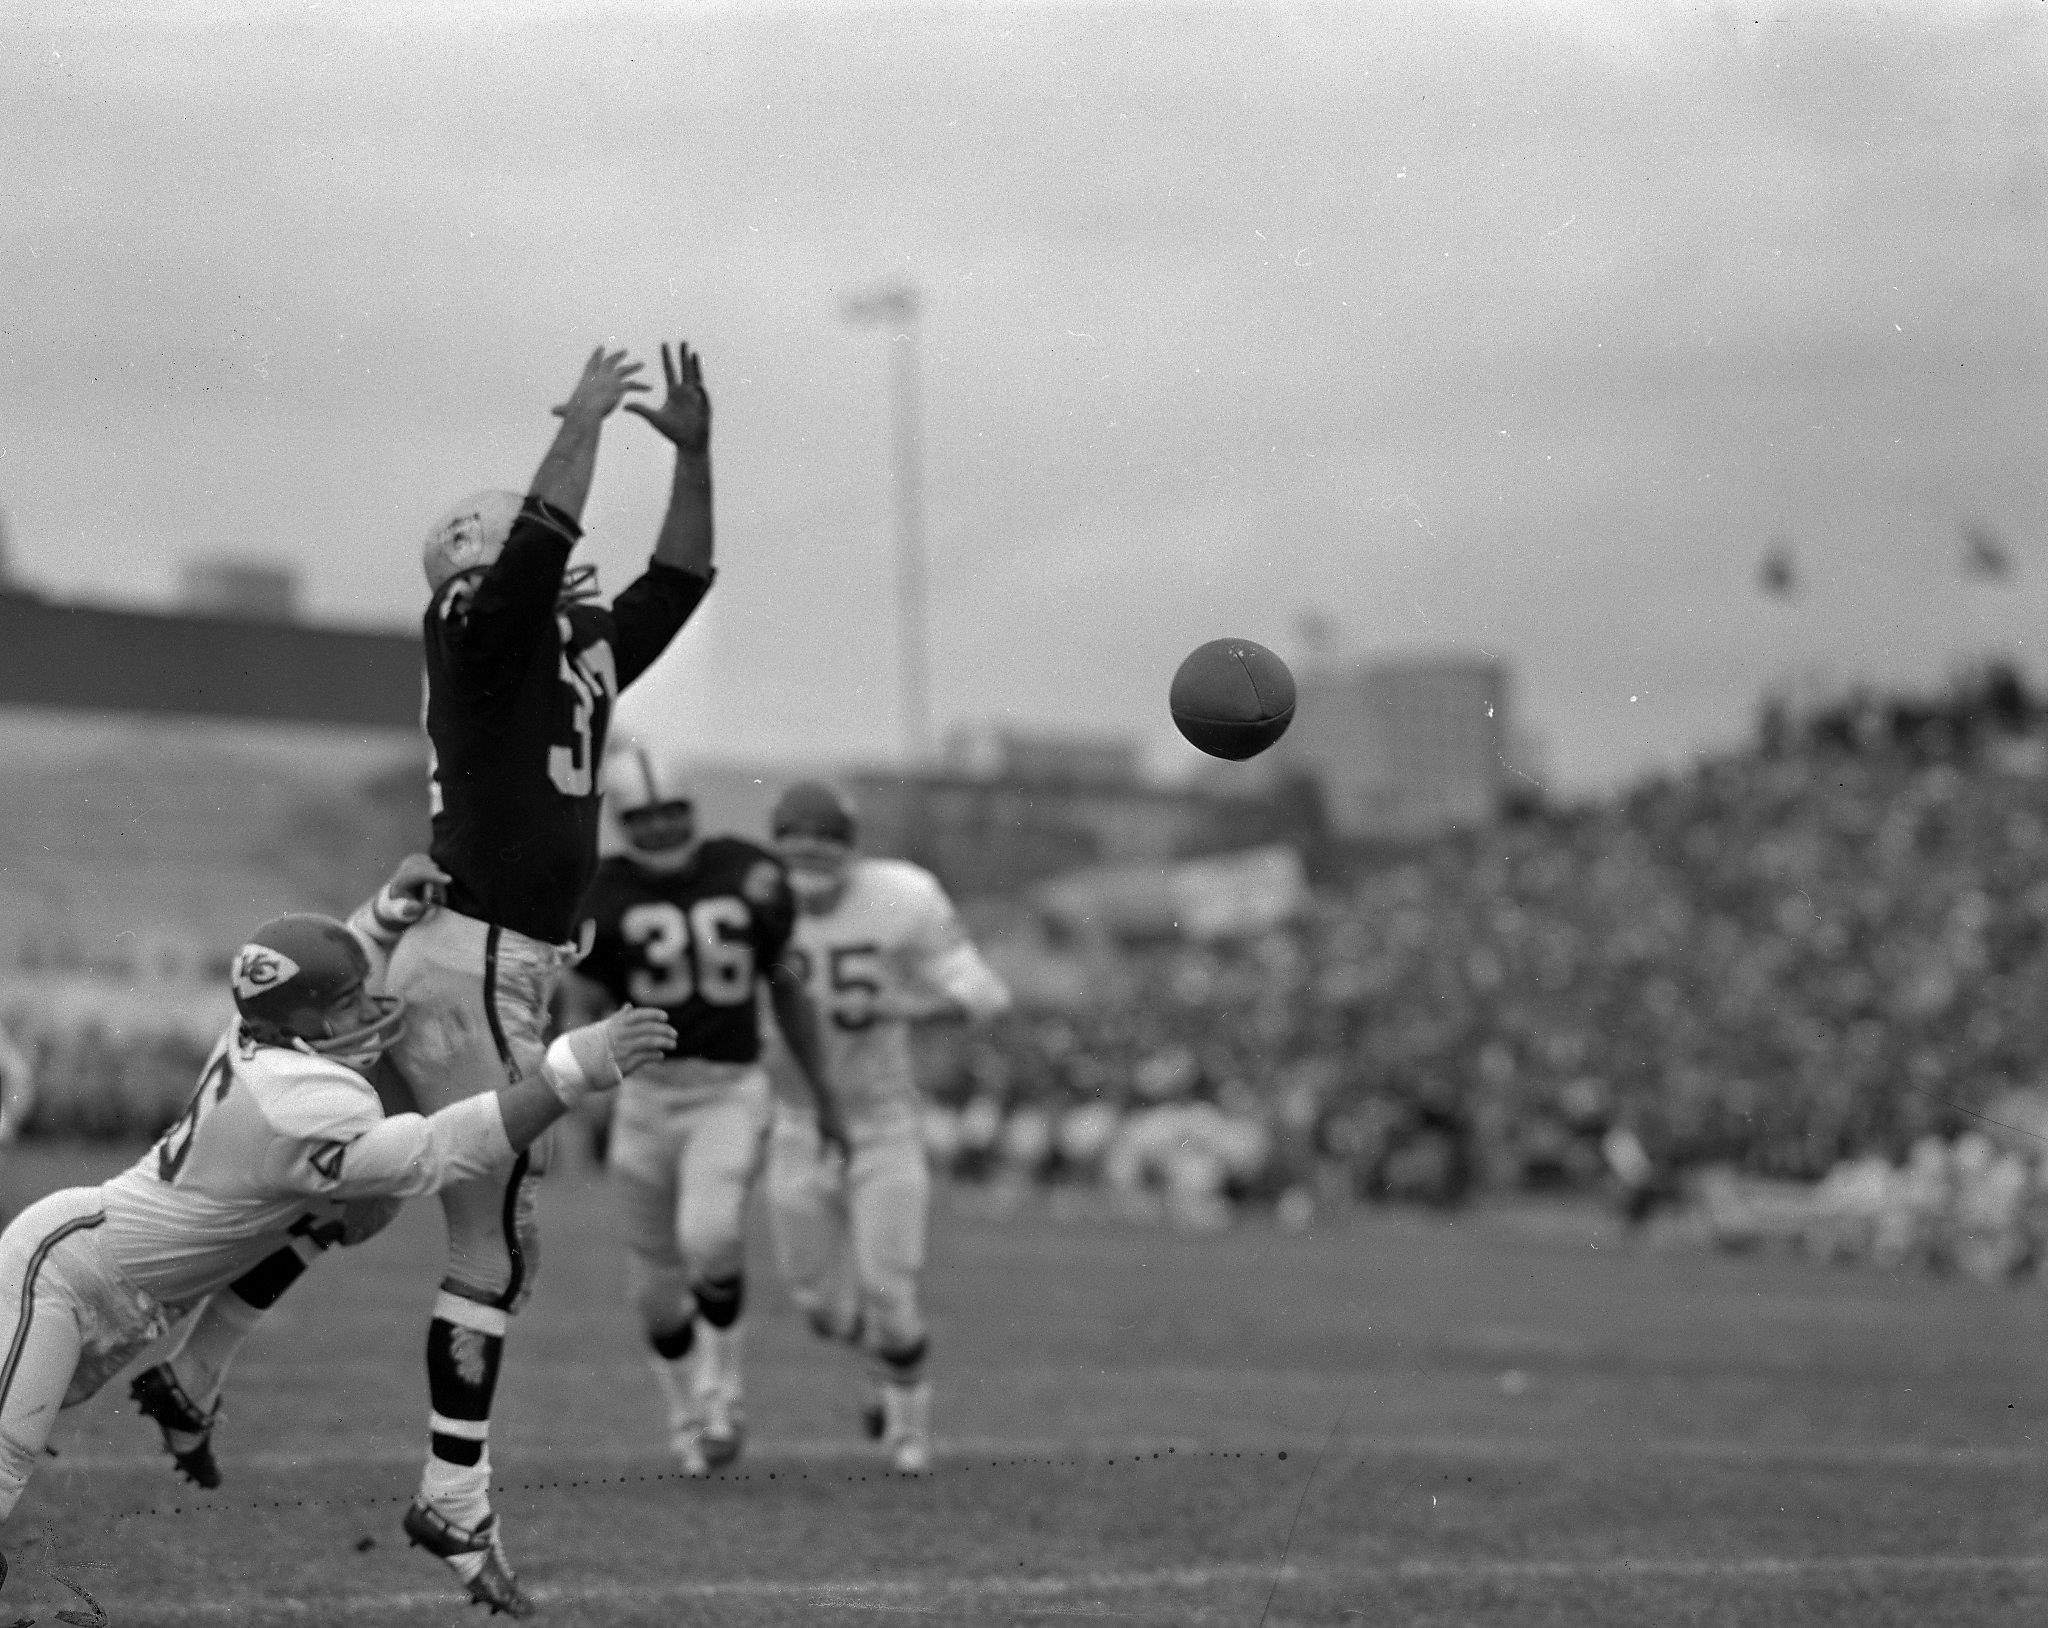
(522, 672)
(879, 944)
(284, 1139)
(695, 926)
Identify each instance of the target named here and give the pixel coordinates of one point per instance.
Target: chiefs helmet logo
(257, 968)
(764, 883)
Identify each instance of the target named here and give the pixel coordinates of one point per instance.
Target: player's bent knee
(659, 1292)
(894, 1318)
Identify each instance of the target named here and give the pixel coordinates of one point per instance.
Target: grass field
(1510, 1418)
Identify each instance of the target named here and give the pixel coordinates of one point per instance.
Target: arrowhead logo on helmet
(300, 982)
(258, 968)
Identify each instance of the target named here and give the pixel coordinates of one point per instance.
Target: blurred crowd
(1814, 961)
(1830, 948)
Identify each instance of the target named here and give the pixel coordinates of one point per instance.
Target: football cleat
(187, 1432)
(493, 1583)
(907, 1430)
(724, 1429)
(686, 1443)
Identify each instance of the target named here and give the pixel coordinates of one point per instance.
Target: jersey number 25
(710, 942)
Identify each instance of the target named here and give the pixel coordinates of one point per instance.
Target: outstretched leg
(477, 1002)
(181, 1394)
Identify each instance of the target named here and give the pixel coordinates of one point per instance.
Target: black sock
(676, 1343)
(268, 1279)
(462, 1377)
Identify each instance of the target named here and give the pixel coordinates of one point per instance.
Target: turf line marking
(833, 1449)
(879, 1595)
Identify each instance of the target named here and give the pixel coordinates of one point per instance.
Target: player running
(695, 926)
(284, 1139)
(880, 947)
(522, 671)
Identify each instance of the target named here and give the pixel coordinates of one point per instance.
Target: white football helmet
(656, 815)
(472, 534)
(815, 830)
(469, 536)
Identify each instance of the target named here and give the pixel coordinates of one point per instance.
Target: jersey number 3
(176, 1146)
(592, 682)
(670, 943)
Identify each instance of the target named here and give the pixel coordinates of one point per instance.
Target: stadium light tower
(893, 307)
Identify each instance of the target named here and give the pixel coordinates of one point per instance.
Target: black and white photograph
(1198, 813)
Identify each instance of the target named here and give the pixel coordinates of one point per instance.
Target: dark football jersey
(694, 942)
(519, 693)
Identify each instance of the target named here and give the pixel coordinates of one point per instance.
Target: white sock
(673, 1376)
(201, 1365)
(461, 1492)
(718, 1359)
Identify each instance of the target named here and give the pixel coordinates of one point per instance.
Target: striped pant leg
(476, 1000)
(42, 1326)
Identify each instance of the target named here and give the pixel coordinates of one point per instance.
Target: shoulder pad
(301, 1094)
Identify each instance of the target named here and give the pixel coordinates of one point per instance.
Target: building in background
(1010, 808)
(255, 590)
(1402, 746)
(173, 776)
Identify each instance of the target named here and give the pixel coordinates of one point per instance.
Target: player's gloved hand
(598, 1056)
(416, 887)
(607, 380)
(685, 416)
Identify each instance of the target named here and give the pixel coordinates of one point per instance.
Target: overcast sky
(1513, 328)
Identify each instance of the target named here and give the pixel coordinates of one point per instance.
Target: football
(1232, 698)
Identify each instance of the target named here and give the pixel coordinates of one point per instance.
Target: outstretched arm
(408, 1155)
(652, 609)
(563, 479)
(684, 420)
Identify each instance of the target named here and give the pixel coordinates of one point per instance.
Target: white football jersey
(271, 1136)
(892, 928)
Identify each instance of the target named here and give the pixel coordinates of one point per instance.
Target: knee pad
(720, 1300)
(715, 1259)
(494, 1240)
(891, 1314)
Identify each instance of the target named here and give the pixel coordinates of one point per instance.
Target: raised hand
(607, 380)
(637, 1036)
(684, 417)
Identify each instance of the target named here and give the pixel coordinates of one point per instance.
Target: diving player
(283, 1139)
(696, 926)
(521, 675)
(879, 944)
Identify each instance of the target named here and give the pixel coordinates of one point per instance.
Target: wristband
(565, 1073)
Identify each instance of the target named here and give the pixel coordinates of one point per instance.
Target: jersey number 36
(704, 953)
